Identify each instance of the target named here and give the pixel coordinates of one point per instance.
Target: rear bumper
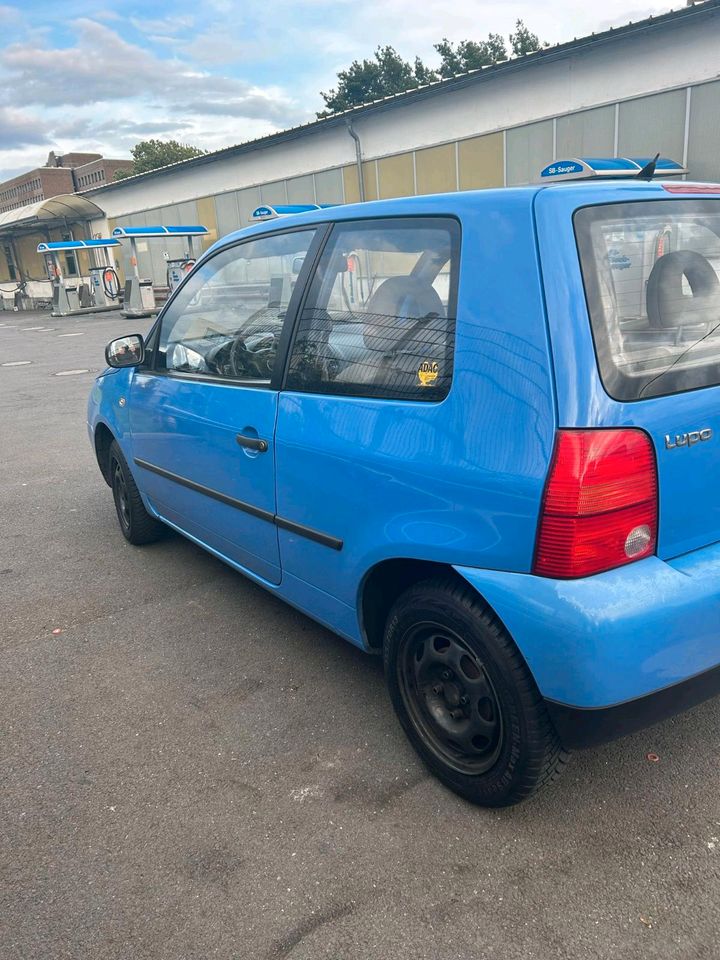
(615, 652)
(579, 728)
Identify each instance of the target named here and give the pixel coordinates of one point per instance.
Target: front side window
(379, 319)
(227, 319)
(652, 280)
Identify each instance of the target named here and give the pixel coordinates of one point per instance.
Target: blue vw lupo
(478, 433)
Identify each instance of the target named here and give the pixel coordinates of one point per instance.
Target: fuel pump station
(139, 293)
(68, 296)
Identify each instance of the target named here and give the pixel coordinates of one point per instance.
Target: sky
(99, 77)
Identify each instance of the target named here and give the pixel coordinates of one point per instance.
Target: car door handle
(252, 443)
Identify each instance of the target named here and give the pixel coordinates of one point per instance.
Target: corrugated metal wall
(683, 124)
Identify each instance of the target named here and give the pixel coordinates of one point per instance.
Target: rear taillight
(600, 505)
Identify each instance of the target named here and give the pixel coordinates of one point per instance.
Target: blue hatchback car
(476, 433)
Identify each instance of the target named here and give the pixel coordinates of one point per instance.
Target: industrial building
(646, 87)
(61, 174)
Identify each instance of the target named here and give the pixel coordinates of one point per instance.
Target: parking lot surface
(192, 769)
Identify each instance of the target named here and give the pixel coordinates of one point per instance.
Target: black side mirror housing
(125, 351)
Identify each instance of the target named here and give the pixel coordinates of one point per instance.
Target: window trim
(321, 231)
(452, 303)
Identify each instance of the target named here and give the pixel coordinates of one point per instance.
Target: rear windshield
(651, 272)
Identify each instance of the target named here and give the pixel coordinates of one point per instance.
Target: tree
(367, 80)
(523, 41)
(387, 73)
(151, 154)
(469, 55)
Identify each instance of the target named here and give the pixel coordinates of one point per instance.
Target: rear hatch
(651, 273)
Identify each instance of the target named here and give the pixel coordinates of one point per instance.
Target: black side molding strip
(317, 535)
(208, 491)
(309, 532)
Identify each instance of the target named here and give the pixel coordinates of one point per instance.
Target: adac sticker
(428, 373)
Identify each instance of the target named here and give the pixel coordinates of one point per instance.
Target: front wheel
(465, 697)
(137, 525)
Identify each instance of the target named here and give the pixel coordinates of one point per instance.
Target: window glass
(652, 279)
(227, 318)
(379, 318)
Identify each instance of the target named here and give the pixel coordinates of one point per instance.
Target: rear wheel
(137, 525)
(465, 697)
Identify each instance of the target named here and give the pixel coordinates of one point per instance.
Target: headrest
(396, 305)
(667, 305)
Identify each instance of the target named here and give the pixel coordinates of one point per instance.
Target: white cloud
(19, 130)
(235, 73)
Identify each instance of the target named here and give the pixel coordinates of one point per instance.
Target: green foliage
(151, 154)
(469, 55)
(523, 41)
(363, 81)
(387, 73)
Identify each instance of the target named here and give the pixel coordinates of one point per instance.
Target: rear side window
(652, 280)
(379, 319)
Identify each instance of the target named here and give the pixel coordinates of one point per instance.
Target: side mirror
(125, 351)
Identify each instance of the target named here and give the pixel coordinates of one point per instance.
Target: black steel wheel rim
(450, 698)
(120, 492)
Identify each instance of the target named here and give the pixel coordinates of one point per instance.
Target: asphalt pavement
(190, 769)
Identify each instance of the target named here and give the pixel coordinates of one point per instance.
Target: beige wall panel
(4, 271)
(350, 182)
(481, 162)
(370, 180)
(395, 176)
(32, 262)
(207, 218)
(435, 169)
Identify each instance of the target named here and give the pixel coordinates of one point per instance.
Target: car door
(203, 415)
(366, 456)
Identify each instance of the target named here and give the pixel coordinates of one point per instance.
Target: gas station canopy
(58, 246)
(145, 232)
(65, 207)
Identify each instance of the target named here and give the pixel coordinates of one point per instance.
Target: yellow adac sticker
(428, 373)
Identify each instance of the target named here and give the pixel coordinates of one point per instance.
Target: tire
(465, 697)
(137, 525)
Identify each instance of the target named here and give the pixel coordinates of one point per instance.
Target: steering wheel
(253, 356)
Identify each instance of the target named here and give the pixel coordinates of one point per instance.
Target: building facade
(65, 173)
(647, 87)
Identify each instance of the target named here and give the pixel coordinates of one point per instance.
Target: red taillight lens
(600, 505)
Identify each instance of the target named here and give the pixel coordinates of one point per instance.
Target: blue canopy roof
(160, 231)
(588, 168)
(57, 246)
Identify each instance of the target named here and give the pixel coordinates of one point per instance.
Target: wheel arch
(382, 585)
(103, 441)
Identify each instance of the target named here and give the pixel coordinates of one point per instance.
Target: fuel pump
(104, 282)
(139, 292)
